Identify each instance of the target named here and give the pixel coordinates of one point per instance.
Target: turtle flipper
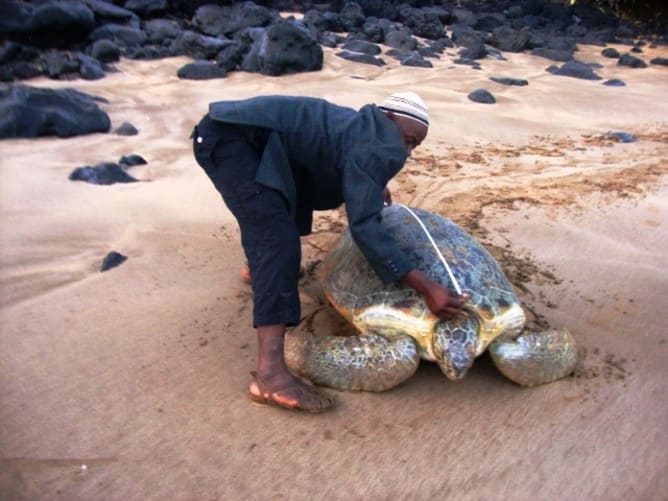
(368, 362)
(534, 358)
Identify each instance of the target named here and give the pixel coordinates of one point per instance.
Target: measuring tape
(438, 251)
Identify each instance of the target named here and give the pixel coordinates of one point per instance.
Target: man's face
(412, 132)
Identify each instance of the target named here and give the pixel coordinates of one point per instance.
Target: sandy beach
(131, 384)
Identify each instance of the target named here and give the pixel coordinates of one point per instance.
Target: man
(276, 159)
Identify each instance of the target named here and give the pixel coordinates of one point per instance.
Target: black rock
(663, 61)
(352, 17)
(107, 12)
(553, 54)
(226, 20)
(362, 46)
(423, 23)
(231, 56)
(489, 22)
(509, 40)
(400, 39)
(467, 36)
(319, 22)
(112, 260)
(58, 63)
(105, 51)
(631, 61)
(14, 52)
(610, 52)
(509, 81)
(482, 96)
(361, 58)
(30, 112)
(132, 160)
(200, 46)
(415, 59)
(124, 36)
(475, 51)
(615, 82)
(286, 48)
(90, 68)
(23, 70)
(103, 173)
(329, 39)
(201, 70)
(161, 31)
(126, 129)
(147, 8)
(59, 24)
(575, 69)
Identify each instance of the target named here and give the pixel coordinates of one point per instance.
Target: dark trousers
(230, 156)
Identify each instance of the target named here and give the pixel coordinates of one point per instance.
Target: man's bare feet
(245, 274)
(290, 393)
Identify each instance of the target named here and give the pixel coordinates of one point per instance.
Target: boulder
(360, 58)
(104, 173)
(614, 82)
(482, 96)
(147, 8)
(611, 53)
(201, 70)
(217, 20)
(283, 48)
(415, 59)
(423, 23)
(31, 112)
(352, 17)
(126, 129)
(575, 69)
(362, 46)
(519, 82)
(507, 39)
(631, 61)
(400, 39)
(111, 260)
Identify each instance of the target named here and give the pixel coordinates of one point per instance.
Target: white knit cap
(407, 104)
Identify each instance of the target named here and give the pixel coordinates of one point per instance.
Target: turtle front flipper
(368, 362)
(534, 358)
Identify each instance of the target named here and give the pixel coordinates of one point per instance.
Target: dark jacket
(320, 155)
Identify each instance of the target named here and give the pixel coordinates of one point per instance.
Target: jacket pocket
(203, 148)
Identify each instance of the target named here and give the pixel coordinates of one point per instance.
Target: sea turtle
(396, 329)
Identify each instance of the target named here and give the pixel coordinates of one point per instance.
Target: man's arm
(443, 303)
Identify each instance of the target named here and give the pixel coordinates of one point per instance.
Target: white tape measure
(438, 251)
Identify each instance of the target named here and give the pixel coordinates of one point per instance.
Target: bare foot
(245, 275)
(293, 394)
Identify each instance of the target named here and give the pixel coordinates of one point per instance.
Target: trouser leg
(269, 235)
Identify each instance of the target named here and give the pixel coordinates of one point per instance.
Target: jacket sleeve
(363, 182)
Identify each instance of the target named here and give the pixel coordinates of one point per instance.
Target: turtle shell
(357, 293)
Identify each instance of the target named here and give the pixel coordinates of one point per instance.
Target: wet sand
(130, 384)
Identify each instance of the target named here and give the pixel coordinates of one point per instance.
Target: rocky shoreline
(84, 38)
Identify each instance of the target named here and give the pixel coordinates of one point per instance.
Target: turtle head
(454, 345)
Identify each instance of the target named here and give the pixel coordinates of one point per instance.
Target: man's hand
(387, 196)
(442, 302)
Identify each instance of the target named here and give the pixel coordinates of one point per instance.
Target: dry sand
(130, 384)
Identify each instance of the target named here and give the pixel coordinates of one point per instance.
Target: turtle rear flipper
(534, 358)
(368, 362)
